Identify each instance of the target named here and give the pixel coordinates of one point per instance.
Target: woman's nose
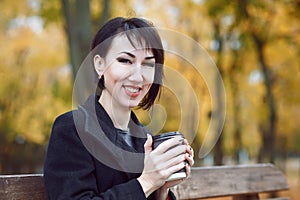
(136, 74)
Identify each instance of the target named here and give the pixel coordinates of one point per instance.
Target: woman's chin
(132, 104)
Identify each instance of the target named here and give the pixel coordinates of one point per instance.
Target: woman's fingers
(166, 145)
(175, 151)
(172, 169)
(188, 170)
(148, 144)
(171, 155)
(189, 155)
(168, 158)
(190, 150)
(177, 160)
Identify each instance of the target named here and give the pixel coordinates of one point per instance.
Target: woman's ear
(99, 65)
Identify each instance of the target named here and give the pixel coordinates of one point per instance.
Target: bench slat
(217, 181)
(241, 182)
(22, 187)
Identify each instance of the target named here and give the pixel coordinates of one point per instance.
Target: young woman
(100, 150)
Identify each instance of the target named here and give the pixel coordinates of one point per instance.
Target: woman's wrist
(162, 194)
(147, 188)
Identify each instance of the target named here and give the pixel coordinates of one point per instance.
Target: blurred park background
(254, 43)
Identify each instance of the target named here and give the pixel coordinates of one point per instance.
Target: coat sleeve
(170, 195)
(68, 168)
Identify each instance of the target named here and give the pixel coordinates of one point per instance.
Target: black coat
(85, 163)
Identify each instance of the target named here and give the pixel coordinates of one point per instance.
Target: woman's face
(128, 72)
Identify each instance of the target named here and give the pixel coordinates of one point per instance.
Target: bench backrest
(241, 182)
(25, 187)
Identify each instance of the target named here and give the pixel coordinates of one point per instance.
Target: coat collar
(100, 137)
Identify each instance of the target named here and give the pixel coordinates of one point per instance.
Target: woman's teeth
(131, 89)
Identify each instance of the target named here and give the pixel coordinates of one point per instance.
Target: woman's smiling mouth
(132, 91)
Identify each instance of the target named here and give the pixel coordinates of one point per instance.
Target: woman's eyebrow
(129, 54)
(133, 56)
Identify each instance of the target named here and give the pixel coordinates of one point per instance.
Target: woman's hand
(189, 157)
(160, 163)
(162, 192)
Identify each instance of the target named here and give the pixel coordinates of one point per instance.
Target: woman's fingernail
(180, 140)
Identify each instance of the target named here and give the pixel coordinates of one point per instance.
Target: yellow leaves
(10, 9)
(52, 53)
(30, 106)
(37, 51)
(30, 65)
(35, 116)
(31, 87)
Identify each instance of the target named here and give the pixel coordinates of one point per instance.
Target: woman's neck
(119, 115)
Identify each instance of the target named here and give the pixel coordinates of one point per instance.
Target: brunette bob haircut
(138, 31)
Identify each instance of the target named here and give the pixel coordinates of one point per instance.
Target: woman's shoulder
(64, 129)
(65, 119)
(66, 124)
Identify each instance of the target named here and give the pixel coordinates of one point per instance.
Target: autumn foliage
(255, 45)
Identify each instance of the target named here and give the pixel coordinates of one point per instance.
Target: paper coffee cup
(158, 139)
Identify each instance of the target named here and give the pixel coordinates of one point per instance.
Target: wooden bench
(242, 182)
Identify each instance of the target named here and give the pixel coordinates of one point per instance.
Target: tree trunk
(269, 135)
(233, 84)
(218, 150)
(268, 130)
(78, 27)
(79, 31)
(105, 12)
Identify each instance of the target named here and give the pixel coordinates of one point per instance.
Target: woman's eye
(124, 60)
(149, 64)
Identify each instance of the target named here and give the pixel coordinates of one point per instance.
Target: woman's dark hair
(138, 31)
